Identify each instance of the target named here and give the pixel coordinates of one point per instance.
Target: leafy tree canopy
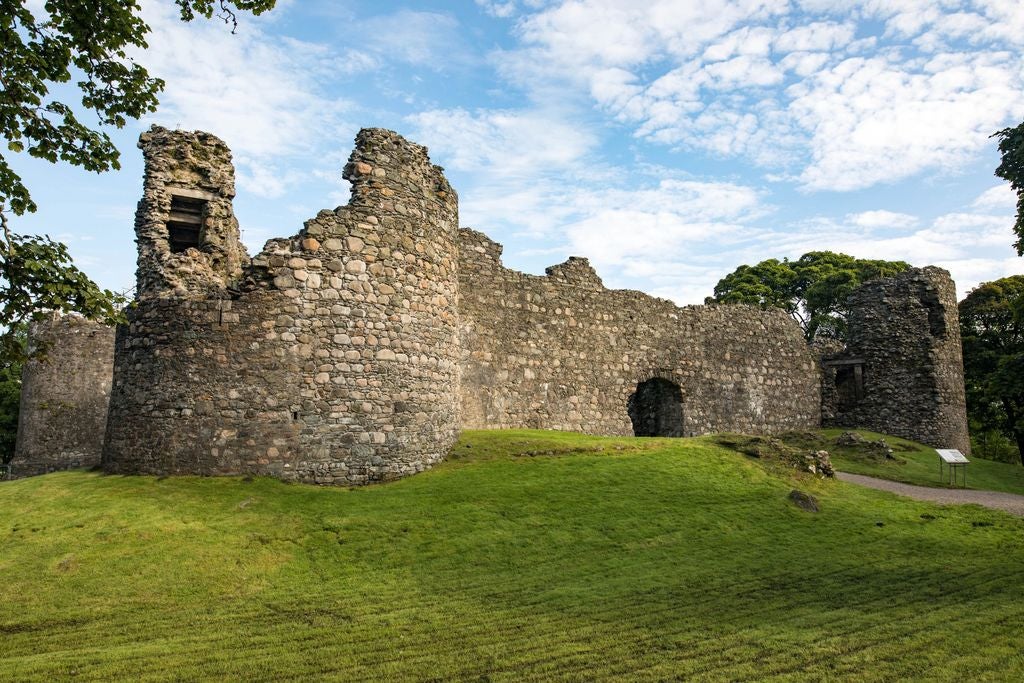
(1011, 168)
(813, 289)
(10, 399)
(992, 329)
(39, 276)
(88, 41)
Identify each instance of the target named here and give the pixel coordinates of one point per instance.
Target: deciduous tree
(87, 41)
(992, 329)
(1011, 168)
(813, 289)
(10, 399)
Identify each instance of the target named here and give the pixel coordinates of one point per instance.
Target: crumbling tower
(330, 357)
(64, 395)
(902, 370)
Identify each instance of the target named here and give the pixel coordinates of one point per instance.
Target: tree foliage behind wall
(44, 45)
(1011, 168)
(10, 399)
(812, 289)
(992, 328)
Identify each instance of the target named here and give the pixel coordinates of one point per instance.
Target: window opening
(184, 227)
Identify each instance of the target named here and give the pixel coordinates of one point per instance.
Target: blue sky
(668, 141)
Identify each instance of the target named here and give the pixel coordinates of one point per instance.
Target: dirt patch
(849, 444)
(771, 449)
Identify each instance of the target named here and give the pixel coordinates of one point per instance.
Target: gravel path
(997, 500)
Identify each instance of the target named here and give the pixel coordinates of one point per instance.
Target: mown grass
(667, 559)
(916, 464)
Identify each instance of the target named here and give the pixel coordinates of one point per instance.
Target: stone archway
(656, 408)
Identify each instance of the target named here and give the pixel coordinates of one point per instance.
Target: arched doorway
(656, 408)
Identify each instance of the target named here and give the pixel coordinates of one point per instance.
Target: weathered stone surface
(820, 463)
(770, 448)
(563, 352)
(874, 449)
(64, 396)
(906, 331)
(197, 166)
(804, 501)
(355, 350)
(275, 368)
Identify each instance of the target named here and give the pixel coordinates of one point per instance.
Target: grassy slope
(917, 464)
(666, 559)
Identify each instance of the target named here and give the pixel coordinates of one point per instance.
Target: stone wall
(190, 166)
(64, 396)
(902, 370)
(563, 352)
(330, 357)
(355, 350)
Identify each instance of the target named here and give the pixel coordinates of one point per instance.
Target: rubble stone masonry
(563, 352)
(64, 396)
(332, 357)
(357, 349)
(904, 334)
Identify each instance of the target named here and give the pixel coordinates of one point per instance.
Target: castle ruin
(355, 350)
(65, 391)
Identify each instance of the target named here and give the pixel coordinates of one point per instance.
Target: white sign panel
(952, 456)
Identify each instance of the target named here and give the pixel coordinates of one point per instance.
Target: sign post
(954, 461)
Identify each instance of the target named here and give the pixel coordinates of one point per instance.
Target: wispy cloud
(676, 237)
(819, 94)
(425, 39)
(262, 94)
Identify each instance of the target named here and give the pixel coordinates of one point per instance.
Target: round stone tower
(902, 370)
(64, 394)
(330, 357)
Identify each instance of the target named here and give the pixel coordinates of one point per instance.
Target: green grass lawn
(917, 464)
(526, 556)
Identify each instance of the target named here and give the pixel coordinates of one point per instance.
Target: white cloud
(971, 243)
(257, 91)
(872, 220)
(627, 227)
(971, 272)
(1001, 197)
(565, 203)
(513, 142)
(817, 36)
(265, 178)
(804, 64)
(743, 72)
(429, 39)
(508, 182)
(874, 120)
(744, 41)
(682, 259)
(261, 94)
(502, 10)
(821, 91)
(678, 236)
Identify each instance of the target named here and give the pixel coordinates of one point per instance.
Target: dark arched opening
(656, 408)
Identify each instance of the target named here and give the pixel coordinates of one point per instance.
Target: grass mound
(908, 461)
(778, 453)
(854, 445)
(587, 559)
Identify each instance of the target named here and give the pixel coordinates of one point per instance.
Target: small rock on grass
(804, 501)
